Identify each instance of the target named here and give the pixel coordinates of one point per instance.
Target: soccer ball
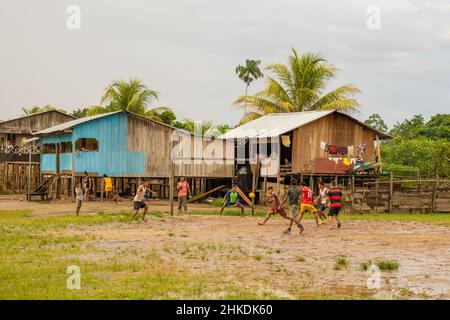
(251, 195)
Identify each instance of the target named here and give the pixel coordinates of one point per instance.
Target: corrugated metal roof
(68, 125)
(274, 124)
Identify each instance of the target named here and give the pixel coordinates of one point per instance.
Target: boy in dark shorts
(277, 207)
(293, 196)
(335, 198)
(231, 199)
(139, 200)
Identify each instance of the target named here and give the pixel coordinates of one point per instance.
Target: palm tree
(37, 109)
(197, 127)
(162, 114)
(248, 73)
(131, 96)
(299, 86)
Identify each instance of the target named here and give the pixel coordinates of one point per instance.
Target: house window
(66, 147)
(48, 148)
(86, 145)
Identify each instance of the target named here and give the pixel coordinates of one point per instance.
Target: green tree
(80, 113)
(299, 86)
(408, 129)
(132, 96)
(249, 73)
(437, 128)
(162, 114)
(376, 122)
(37, 109)
(223, 128)
(197, 127)
(430, 156)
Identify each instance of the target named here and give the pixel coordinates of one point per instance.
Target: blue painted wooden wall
(113, 157)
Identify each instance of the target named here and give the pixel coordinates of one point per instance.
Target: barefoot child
(231, 199)
(79, 197)
(115, 195)
(277, 207)
(292, 197)
(321, 201)
(307, 203)
(139, 200)
(335, 197)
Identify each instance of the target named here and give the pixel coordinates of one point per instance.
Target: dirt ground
(247, 253)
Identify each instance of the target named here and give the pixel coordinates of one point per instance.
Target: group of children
(83, 191)
(300, 200)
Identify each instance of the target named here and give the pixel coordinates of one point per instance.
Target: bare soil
(292, 266)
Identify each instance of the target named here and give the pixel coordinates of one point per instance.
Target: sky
(188, 50)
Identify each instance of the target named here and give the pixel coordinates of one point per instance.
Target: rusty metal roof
(275, 124)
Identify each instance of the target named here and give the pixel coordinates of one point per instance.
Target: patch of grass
(438, 218)
(258, 257)
(300, 258)
(382, 264)
(340, 262)
(227, 212)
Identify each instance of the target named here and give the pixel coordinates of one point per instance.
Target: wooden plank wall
(334, 129)
(404, 200)
(154, 140)
(14, 176)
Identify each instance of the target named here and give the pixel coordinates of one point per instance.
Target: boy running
(321, 200)
(277, 207)
(292, 197)
(307, 203)
(139, 200)
(231, 199)
(335, 197)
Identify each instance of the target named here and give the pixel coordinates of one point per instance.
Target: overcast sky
(188, 51)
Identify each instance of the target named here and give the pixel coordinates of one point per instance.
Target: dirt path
(292, 266)
(252, 254)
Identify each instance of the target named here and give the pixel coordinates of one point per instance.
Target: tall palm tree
(248, 73)
(131, 96)
(299, 86)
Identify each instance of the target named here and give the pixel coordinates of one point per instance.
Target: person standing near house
(108, 186)
(335, 198)
(183, 193)
(87, 186)
(79, 197)
(321, 200)
(139, 200)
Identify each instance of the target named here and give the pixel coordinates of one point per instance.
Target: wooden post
(29, 175)
(58, 169)
(171, 179)
(102, 186)
(376, 195)
(391, 191)
(353, 192)
(433, 199)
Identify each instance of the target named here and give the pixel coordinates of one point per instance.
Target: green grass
(390, 265)
(439, 218)
(340, 262)
(35, 252)
(300, 258)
